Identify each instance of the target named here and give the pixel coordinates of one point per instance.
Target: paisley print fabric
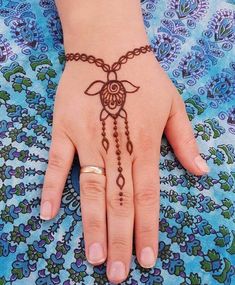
(194, 42)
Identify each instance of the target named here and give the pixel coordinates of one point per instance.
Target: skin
(100, 28)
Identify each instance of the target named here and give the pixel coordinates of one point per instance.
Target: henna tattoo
(113, 97)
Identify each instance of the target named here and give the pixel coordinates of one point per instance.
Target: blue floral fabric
(194, 42)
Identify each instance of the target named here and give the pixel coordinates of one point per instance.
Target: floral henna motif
(113, 97)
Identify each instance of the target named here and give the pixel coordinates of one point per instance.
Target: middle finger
(120, 220)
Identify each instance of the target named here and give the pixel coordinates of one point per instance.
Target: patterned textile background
(194, 43)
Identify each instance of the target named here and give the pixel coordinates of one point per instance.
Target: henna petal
(123, 114)
(103, 115)
(94, 88)
(129, 147)
(129, 87)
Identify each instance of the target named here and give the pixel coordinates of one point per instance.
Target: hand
(156, 106)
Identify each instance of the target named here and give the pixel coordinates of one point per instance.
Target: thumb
(180, 135)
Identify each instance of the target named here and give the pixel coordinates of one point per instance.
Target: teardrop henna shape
(129, 144)
(105, 141)
(120, 181)
(105, 144)
(129, 147)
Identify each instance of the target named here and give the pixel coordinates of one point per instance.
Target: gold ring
(92, 169)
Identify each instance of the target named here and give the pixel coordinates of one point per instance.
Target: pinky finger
(60, 159)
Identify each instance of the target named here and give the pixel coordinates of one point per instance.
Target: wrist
(105, 44)
(102, 27)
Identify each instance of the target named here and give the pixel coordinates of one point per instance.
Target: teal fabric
(194, 42)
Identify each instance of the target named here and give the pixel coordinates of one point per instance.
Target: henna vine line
(112, 96)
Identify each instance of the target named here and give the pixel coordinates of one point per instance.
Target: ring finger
(93, 207)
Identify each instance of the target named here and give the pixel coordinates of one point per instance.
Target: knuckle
(119, 243)
(190, 140)
(147, 228)
(93, 225)
(147, 196)
(123, 210)
(55, 160)
(91, 189)
(146, 142)
(49, 185)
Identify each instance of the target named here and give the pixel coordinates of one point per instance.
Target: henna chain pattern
(113, 97)
(106, 67)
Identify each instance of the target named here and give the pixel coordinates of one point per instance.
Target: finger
(93, 206)
(180, 135)
(61, 155)
(146, 200)
(120, 213)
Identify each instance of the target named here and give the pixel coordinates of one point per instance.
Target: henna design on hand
(113, 97)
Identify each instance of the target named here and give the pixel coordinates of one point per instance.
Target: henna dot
(120, 194)
(121, 204)
(121, 199)
(115, 134)
(118, 152)
(120, 169)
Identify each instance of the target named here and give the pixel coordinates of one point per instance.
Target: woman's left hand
(155, 106)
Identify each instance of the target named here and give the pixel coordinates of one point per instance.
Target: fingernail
(117, 271)
(147, 257)
(201, 164)
(46, 210)
(96, 253)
